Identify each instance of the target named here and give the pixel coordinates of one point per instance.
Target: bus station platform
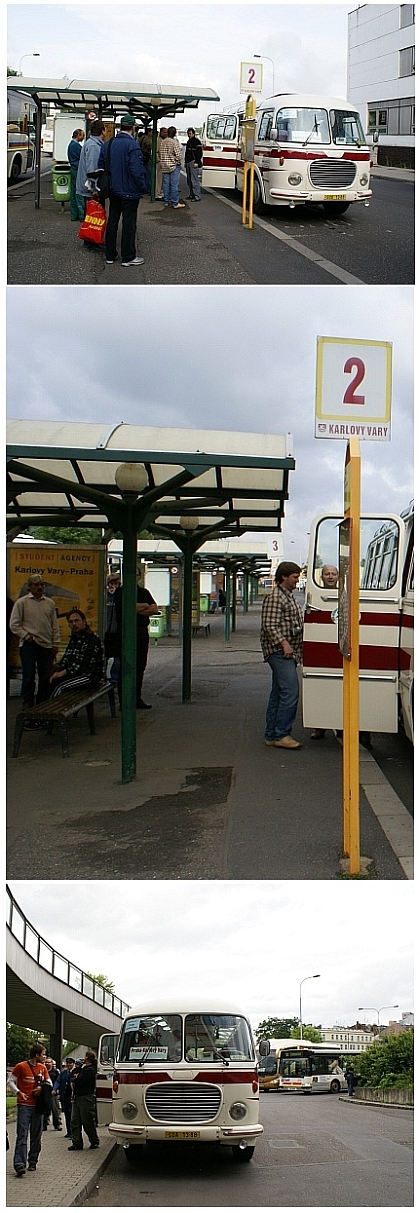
(61, 1180)
(210, 800)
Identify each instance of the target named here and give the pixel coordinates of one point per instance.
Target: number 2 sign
(251, 78)
(353, 388)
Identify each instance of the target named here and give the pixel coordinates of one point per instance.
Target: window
(406, 15)
(210, 1037)
(153, 1037)
(221, 126)
(407, 64)
(267, 121)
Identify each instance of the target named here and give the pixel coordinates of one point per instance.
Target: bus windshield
(211, 1037)
(203, 1037)
(151, 1038)
(310, 124)
(346, 127)
(297, 1064)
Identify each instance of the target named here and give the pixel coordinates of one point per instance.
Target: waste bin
(204, 604)
(61, 182)
(157, 626)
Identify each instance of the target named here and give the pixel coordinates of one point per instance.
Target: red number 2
(251, 75)
(357, 365)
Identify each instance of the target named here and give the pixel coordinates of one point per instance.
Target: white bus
(20, 134)
(386, 653)
(300, 1065)
(308, 149)
(180, 1075)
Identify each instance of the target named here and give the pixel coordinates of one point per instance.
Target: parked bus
(308, 149)
(386, 652)
(20, 134)
(180, 1075)
(300, 1065)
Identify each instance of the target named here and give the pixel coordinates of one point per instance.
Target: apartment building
(380, 77)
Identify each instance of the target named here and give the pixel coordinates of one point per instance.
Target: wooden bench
(61, 709)
(202, 626)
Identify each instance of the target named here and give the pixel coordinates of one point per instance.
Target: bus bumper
(291, 198)
(226, 1136)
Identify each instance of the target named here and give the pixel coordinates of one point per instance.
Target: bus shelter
(184, 485)
(150, 103)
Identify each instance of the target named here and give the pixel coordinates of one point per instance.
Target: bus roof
(186, 1006)
(312, 100)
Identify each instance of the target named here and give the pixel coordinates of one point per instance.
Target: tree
(19, 1042)
(308, 1033)
(66, 534)
(102, 980)
(390, 1063)
(276, 1029)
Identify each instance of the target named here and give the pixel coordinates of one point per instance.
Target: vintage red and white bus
(308, 149)
(386, 653)
(180, 1075)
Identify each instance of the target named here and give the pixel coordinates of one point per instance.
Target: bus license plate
(183, 1135)
(335, 198)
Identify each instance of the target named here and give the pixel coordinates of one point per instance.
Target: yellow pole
(351, 814)
(251, 193)
(244, 192)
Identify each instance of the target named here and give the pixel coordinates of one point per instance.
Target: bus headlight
(364, 179)
(129, 1110)
(237, 1111)
(294, 179)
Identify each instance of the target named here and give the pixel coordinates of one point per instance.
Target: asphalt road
(317, 1151)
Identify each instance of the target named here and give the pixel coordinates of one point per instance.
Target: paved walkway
(210, 801)
(61, 1179)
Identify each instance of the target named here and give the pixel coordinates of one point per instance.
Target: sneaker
(135, 261)
(288, 743)
(112, 261)
(20, 1171)
(32, 1166)
(196, 199)
(75, 1147)
(94, 1145)
(179, 206)
(269, 741)
(317, 734)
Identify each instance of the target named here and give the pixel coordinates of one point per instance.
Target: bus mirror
(273, 133)
(264, 1048)
(334, 615)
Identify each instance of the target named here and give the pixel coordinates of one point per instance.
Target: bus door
(220, 150)
(381, 563)
(106, 1064)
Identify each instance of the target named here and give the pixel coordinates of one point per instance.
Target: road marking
(296, 246)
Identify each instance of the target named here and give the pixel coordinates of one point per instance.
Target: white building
(380, 77)
(348, 1040)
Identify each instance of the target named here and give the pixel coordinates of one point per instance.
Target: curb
(375, 1103)
(78, 1193)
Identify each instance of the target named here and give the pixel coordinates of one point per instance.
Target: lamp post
(270, 61)
(310, 978)
(392, 1006)
(30, 55)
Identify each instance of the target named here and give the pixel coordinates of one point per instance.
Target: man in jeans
(281, 643)
(26, 1082)
(170, 158)
(34, 621)
(126, 186)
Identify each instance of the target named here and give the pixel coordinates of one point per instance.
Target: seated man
(82, 663)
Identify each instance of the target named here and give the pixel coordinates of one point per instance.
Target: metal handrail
(53, 962)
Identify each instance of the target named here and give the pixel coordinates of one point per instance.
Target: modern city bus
(181, 1075)
(20, 134)
(300, 1065)
(308, 149)
(386, 653)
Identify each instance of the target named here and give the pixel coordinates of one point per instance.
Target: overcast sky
(200, 45)
(218, 358)
(249, 942)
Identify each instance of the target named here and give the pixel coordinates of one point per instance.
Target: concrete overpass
(48, 993)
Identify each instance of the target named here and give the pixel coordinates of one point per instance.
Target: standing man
(88, 162)
(193, 162)
(281, 643)
(77, 205)
(113, 582)
(145, 607)
(145, 144)
(83, 1114)
(170, 155)
(34, 621)
(62, 1091)
(159, 173)
(126, 186)
(26, 1082)
(55, 1110)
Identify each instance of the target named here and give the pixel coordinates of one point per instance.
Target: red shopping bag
(94, 223)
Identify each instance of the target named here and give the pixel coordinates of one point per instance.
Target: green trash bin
(61, 182)
(157, 626)
(204, 604)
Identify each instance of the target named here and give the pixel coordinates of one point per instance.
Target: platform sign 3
(353, 389)
(251, 78)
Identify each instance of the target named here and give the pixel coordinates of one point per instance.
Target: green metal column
(245, 591)
(228, 592)
(187, 548)
(129, 646)
(234, 596)
(153, 160)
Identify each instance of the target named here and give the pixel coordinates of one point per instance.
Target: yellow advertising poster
(73, 577)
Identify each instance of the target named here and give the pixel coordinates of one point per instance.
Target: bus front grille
(183, 1101)
(332, 174)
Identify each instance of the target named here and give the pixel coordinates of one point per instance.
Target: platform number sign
(353, 389)
(251, 78)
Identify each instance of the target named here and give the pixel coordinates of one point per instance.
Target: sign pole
(349, 611)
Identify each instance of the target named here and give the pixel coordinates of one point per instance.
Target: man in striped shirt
(281, 643)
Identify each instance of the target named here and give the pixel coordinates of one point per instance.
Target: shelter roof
(59, 474)
(112, 96)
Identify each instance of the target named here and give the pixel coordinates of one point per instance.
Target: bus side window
(266, 123)
(378, 554)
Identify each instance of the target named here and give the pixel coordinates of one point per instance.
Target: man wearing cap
(34, 621)
(126, 186)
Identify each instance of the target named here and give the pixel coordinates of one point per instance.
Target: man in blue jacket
(126, 186)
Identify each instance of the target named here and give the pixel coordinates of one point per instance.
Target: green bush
(390, 1063)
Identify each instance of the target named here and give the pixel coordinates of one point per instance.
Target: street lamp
(310, 978)
(270, 61)
(392, 1006)
(31, 55)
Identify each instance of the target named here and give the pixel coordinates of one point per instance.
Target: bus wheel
(335, 1086)
(242, 1154)
(258, 200)
(16, 169)
(133, 1154)
(335, 208)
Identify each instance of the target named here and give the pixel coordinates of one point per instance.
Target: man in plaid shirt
(281, 643)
